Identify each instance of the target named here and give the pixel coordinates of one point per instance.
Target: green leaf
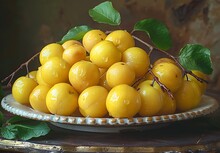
(75, 33)
(28, 131)
(9, 132)
(105, 13)
(157, 31)
(196, 57)
(24, 129)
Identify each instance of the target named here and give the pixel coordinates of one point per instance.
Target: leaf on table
(9, 132)
(196, 57)
(105, 13)
(76, 33)
(27, 131)
(23, 128)
(157, 31)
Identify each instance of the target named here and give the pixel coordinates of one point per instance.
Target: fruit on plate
(55, 70)
(22, 89)
(62, 99)
(68, 43)
(92, 101)
(169, 74)
(151, 98)
(169, 105)
(91, 38)
(188, 96)
(92, 73)
(97, 73)
(104, 54)
(202, 85)
(138, 59)
(37, 98)
(121, 39)
(105, 82)
(120, 73)
(50, 50)
(164, 59)
(83, 74)
(74, 53)
(123, 101)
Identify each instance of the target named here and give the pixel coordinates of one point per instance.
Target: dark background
(26, 26)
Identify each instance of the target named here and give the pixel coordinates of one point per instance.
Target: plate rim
(8, 103)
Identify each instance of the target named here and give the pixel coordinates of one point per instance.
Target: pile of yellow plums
(96, 77)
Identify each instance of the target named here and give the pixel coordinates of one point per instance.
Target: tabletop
(197, 135)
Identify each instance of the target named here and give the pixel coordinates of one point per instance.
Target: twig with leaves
(185, 71)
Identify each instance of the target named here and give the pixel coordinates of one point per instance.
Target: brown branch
(174, 58)
(185, 71)
(155, 79)
(143, 42)
(138, 81)
(162, 86)
(11, 76)
(195, 76)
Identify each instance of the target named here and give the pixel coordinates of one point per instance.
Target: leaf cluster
(191, 56)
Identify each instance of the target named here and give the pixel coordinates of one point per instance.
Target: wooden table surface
(196, 135)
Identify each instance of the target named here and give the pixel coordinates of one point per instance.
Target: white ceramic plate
(207, 106)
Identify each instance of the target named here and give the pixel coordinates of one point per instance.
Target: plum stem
(11, 76)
